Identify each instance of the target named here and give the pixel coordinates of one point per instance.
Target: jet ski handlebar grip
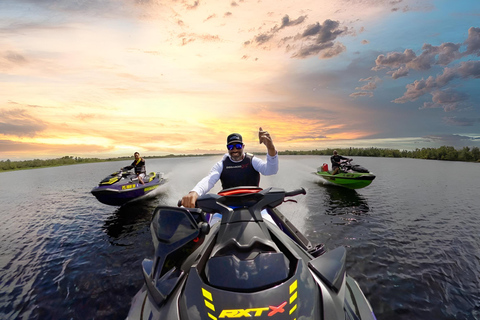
(295, 192)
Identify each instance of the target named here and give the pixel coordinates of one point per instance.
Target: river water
(412, 236)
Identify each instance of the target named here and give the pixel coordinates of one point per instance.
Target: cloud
(394, 59)
(316, 39)
(361, 94)
(473, 41)
(16, 148)
(82, 8)
(370, 86)
(417, 89)
(431, 55)
(14, 57)
(19, 123)
(321, 38)
(86, 116)
(400, 72)
(313, 49)
(451, 140)
(267, 36)
(263, 38)
(210, 17)
(11, 59)
(286, 22)
(191, 37)
(335, 50)
(461, 122)
(448, 99)
(192, 6)
(465, 70)
(445, 55)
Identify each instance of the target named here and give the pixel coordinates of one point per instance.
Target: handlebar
(295, 192)
(278, 198)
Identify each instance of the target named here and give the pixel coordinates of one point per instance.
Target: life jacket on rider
(138, 165)
(236, 174)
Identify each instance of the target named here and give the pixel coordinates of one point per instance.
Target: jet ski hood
(292, 299)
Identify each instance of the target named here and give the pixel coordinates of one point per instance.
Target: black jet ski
(243, 266)
(123, 186)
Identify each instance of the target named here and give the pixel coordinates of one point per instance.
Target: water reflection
(337, 217)
(130, 219)
(340, 201)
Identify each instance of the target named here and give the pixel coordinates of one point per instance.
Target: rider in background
(139, 165)
(336, 159)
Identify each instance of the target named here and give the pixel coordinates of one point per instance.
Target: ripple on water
(412, 236)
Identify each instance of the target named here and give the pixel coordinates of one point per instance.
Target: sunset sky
(102, 78)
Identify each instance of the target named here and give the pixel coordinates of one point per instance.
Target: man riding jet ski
(347, 174)
(243, 266)
(237, 168)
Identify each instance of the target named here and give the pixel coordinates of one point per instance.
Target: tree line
(442, 153)
(66, 160)
(38, 163)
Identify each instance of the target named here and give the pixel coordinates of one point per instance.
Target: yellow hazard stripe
(209, 305)
(207, 294)
(293, 297)
(293, 309)
(212, 316)
(293, 286)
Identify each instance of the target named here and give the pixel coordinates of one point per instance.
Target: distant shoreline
(8, 165)
(446, 153)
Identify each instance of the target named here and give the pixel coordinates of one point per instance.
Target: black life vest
(335, 159)
(139, 166)
(237, 174)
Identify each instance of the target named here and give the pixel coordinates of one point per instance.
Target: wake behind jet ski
(243, 266)
(123, 186)
(350, 175)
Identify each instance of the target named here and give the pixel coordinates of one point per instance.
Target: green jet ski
(350, 175)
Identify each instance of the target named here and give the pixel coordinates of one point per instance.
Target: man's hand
(190, 199)
(264, 137)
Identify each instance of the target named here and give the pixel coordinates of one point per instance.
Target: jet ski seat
(247, 270)
(246, 262)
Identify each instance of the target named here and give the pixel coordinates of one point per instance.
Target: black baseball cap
(234, 138)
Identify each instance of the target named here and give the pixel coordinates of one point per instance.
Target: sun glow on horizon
(100, 79)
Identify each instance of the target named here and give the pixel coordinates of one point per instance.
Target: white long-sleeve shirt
(267, 168)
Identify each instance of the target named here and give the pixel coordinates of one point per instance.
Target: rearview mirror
(175, 233)
(170, 225)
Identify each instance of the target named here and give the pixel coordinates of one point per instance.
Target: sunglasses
(236, 145)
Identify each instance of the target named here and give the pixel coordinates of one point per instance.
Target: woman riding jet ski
(243, 266)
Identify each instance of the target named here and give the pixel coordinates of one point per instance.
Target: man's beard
(237, 158)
